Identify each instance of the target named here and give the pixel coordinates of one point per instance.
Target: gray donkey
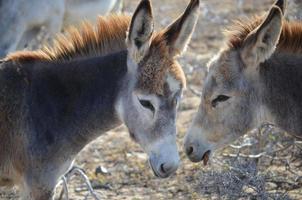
(21, 20)
(257, 77)
(54, 101)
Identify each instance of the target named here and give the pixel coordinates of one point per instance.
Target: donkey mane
(106, 37)
(290, 39)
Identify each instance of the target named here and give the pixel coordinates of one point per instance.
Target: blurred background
(264, 164)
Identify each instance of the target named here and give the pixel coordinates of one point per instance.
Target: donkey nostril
(190, 150)
(166, 169)
(162, 168)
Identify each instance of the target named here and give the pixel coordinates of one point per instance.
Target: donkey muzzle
(163, 168)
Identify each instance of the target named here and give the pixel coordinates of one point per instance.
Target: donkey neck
(281, 90)
(72, 103)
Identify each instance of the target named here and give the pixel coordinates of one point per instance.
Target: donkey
(21, 20)
(255, 78)
(56, 100)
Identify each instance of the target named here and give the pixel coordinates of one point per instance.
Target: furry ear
(260, 44)
(140, 31)
(179, 33)
(282, 4)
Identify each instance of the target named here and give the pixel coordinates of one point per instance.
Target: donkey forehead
(223, 71)
(225, 66)
(161, 77)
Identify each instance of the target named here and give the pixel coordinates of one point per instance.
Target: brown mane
(106, 37)
(290, 39)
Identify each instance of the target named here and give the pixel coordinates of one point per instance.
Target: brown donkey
(257, 77)
(54, 101)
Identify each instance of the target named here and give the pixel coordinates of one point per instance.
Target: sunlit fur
(260, 89)
(56, 100)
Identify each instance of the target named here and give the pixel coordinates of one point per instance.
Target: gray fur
(54, 111)
(51, 109)
(281, 86)
(258, 83)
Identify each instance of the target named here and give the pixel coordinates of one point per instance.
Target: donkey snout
(168, 168)
(164, 169)
(197, 152)
(193, 153)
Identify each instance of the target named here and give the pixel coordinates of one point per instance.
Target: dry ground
(266, 164)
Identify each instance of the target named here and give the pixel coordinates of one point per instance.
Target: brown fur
(290, 39)
(107, 37)
(156, 64)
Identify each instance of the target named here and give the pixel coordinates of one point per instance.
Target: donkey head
(154, 84)
(228, 104)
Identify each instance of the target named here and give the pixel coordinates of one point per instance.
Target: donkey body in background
(54, 101)
(21, 20)
(256, 78)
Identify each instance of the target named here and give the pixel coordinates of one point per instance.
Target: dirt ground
(265, 164)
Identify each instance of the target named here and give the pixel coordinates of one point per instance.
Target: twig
(82, 174)
(240, 146)
(65, 189)
(244, 155)
(282, 149)
(66, 178)
(298, 142)
(292, 185)
(288, 167)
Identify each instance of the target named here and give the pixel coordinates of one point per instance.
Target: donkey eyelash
(219, 98)
(147, 104)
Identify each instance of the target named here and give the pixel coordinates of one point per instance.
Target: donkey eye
(147, 104)
(218, 99)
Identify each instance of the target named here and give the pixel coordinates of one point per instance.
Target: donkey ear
(179, 33)
(140, 31)
(282, 4)
(260, 44)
